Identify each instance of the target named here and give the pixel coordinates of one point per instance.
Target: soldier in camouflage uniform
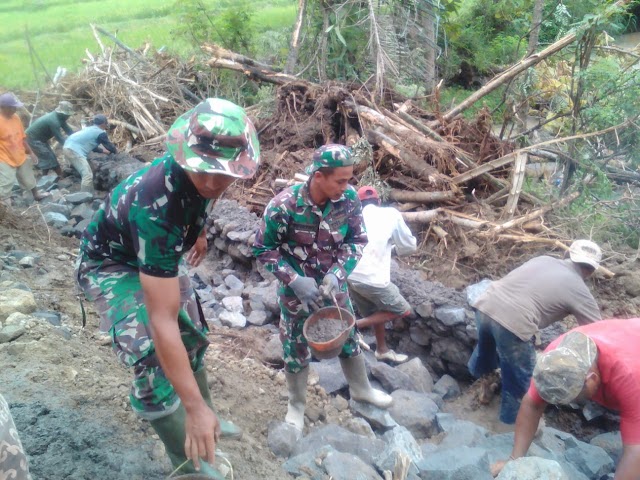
(311, 238)
(13, 460)
(131, 265)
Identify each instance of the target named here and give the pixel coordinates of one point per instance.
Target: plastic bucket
(331, 348)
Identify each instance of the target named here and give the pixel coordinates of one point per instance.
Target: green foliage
(604, 214)
(611, 90)
(228, 25)
(347, 41)
(487, 34)
(601, 212)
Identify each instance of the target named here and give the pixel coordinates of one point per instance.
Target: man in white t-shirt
(370, 287)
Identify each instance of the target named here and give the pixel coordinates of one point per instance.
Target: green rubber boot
(227, 429)
(170, 429)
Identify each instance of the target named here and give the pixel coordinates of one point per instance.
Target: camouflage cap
(331, 156)
(559, 374)
(65, 108)
(215, 137)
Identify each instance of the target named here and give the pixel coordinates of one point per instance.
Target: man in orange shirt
(14, 162)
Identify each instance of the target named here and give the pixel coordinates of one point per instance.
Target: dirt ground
(69, 394)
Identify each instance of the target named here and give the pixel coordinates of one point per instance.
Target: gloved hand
(330, 286)
(307, 292)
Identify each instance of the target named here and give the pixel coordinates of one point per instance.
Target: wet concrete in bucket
(326, 329)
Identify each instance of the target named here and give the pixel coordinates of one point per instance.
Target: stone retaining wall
(442, 332)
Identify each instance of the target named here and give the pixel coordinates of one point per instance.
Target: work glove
(330, 286)
(307, 292)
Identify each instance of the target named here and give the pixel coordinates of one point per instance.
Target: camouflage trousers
(13, 461)
(296, 354)
(119, 300)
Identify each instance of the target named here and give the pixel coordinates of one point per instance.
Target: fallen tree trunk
(428, 216)
(223, 58)
(622, 176)
(415, 164)
(421, 197)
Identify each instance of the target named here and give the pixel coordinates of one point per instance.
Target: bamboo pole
(513, 72)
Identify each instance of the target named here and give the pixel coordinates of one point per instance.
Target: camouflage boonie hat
(215, 137)
(560, 374)
(331, 156)
(65, 108)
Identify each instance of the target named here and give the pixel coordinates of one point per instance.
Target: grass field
(59, 30)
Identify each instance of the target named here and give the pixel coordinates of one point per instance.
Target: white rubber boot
(297, 386)
(359, 387)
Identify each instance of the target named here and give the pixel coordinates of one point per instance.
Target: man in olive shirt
(44, 129)
(531, 297)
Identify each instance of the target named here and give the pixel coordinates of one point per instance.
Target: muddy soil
(69, 395)
(326, 329)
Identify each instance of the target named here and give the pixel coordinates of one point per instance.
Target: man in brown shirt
(531, 297)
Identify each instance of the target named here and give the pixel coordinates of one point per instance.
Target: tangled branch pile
(142, 93)
(421, 158)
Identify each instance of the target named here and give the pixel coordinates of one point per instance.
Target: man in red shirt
(598, 362)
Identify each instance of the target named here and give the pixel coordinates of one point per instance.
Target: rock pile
(432, 443)
(442, 332)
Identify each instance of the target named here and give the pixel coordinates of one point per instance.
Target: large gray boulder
(532, 468)
(81, 212)
(447, 387)
(378, 418)
(459, 432)
(399, 441)
(341, 440)
(79, 197)
(463, 463)
(418, 374)
(344, 466)
(282, 438)
(415, 411)
(391, 378)
(330, 374)
(56, 220)
(499, 447)
(56, 208)
(610, 442)
(593, 461)
(233, 319)
(451, 316)
(308, 463)
(552, 440)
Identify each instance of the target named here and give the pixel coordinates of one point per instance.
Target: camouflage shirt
(148, 221)
(297, 237)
